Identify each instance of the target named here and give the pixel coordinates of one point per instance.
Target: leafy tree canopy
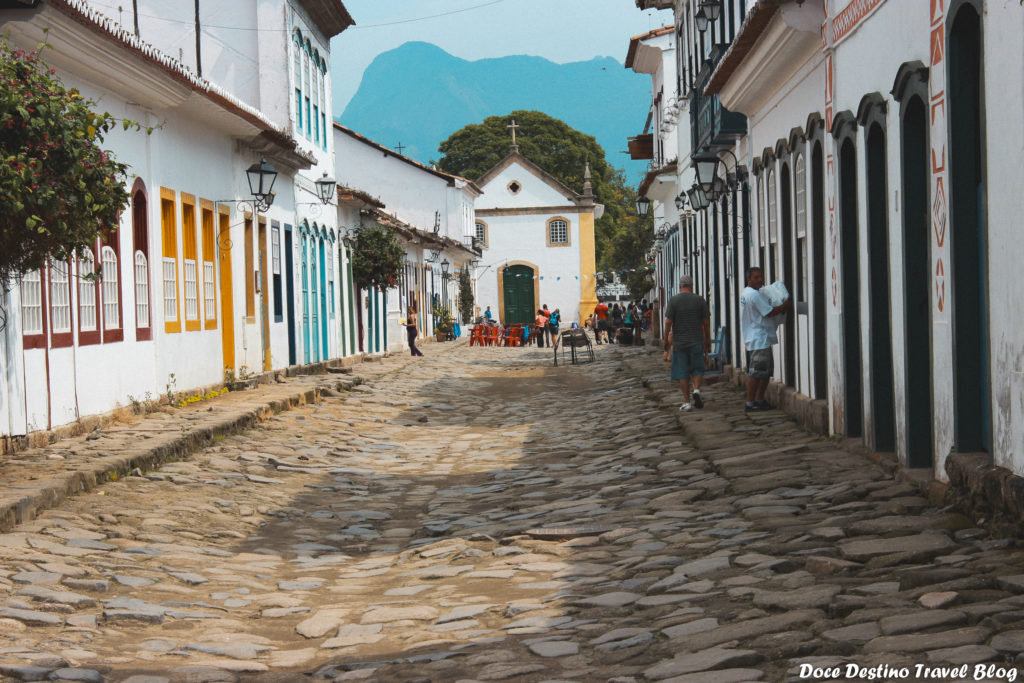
(58, 188)
(556, 147)
(377, 258)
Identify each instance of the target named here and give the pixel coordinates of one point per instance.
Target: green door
(518, 293)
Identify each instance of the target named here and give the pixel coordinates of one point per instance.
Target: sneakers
(685, 408)
(698, 402)
(756, 406)
(763, 405)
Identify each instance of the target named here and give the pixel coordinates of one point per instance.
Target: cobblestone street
(481, 515)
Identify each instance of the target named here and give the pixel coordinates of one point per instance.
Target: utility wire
(119, 8)
(432, 16)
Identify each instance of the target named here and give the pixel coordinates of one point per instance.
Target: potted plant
(443, 323)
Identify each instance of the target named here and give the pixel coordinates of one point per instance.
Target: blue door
(314, 302)
(323, 303)
(305, 302)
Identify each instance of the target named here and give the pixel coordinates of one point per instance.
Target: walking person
(411, 330)
(601, 320)
(616, 324)
(638, 325)
(759, 337)
(553, 321)
(688, 335)
(547, 331)
(540, 325)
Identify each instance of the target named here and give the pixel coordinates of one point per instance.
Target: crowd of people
(620, 324)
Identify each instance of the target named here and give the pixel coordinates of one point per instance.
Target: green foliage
(443, 320)
(466, 300)
(628, 244)
(553, 145)
(59, 190)
(377, 258)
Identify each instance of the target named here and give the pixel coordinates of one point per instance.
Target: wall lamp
(707, 12)
(643, 205)
(261, 184)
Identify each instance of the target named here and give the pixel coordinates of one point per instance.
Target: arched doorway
(880, 330)
(850, 256)
(518, 294)
(916, 280)
(968, 248)
(818, 223)
(789, 326)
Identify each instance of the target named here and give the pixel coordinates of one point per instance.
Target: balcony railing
(711, 124)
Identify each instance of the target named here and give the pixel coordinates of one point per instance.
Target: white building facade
(196, 287)
(868, 175)
(538, 238)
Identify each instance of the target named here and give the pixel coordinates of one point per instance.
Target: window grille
(191, 291)
(801, 197)
(559, 232)
(60, 298)
(86, 292)
(111, 311)
(170, 290)
(141, 290)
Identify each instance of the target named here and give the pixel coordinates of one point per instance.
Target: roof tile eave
(80, 11)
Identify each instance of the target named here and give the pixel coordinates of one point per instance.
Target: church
(538, 241)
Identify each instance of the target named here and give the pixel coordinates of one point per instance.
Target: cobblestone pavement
(383, 535)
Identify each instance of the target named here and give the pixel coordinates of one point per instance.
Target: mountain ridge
(418, 94)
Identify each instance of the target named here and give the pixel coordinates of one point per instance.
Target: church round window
(514, 187)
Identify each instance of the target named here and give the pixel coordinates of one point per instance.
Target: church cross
(400, 147)
(513, 126)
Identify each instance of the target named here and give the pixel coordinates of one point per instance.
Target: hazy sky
(560, 30)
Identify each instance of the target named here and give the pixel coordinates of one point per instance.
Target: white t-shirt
(758, 331)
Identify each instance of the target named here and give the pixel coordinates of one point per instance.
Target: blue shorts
(688, 363)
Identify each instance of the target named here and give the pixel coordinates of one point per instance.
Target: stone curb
(17, 507)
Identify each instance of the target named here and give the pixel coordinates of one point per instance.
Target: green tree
(553, 145)
(377, 258)
(630, 240)
(466, 300)
(59, 189)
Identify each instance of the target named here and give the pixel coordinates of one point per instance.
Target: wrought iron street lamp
(445, 265)
(706, 166)
(698, 198)
(325, 188)
(261, 182)
(680, 201)
(643, 205)
(708, 11)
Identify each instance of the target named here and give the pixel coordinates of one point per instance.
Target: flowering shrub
(377, 258)
(58, 188)
(199, 396)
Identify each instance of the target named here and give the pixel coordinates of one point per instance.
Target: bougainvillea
(58, 188)
(377, 258)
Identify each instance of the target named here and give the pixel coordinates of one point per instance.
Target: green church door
(518, 295)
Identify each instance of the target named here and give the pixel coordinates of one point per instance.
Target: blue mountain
(418, 94)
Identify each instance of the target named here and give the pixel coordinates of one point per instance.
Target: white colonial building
(862, 144)
(430, 211)
(200, 283)
(538, 238)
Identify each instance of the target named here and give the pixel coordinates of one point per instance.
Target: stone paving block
(928, 641)
(704, 660)
(861, 550)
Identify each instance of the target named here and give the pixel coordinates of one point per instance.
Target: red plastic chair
(476, 336)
